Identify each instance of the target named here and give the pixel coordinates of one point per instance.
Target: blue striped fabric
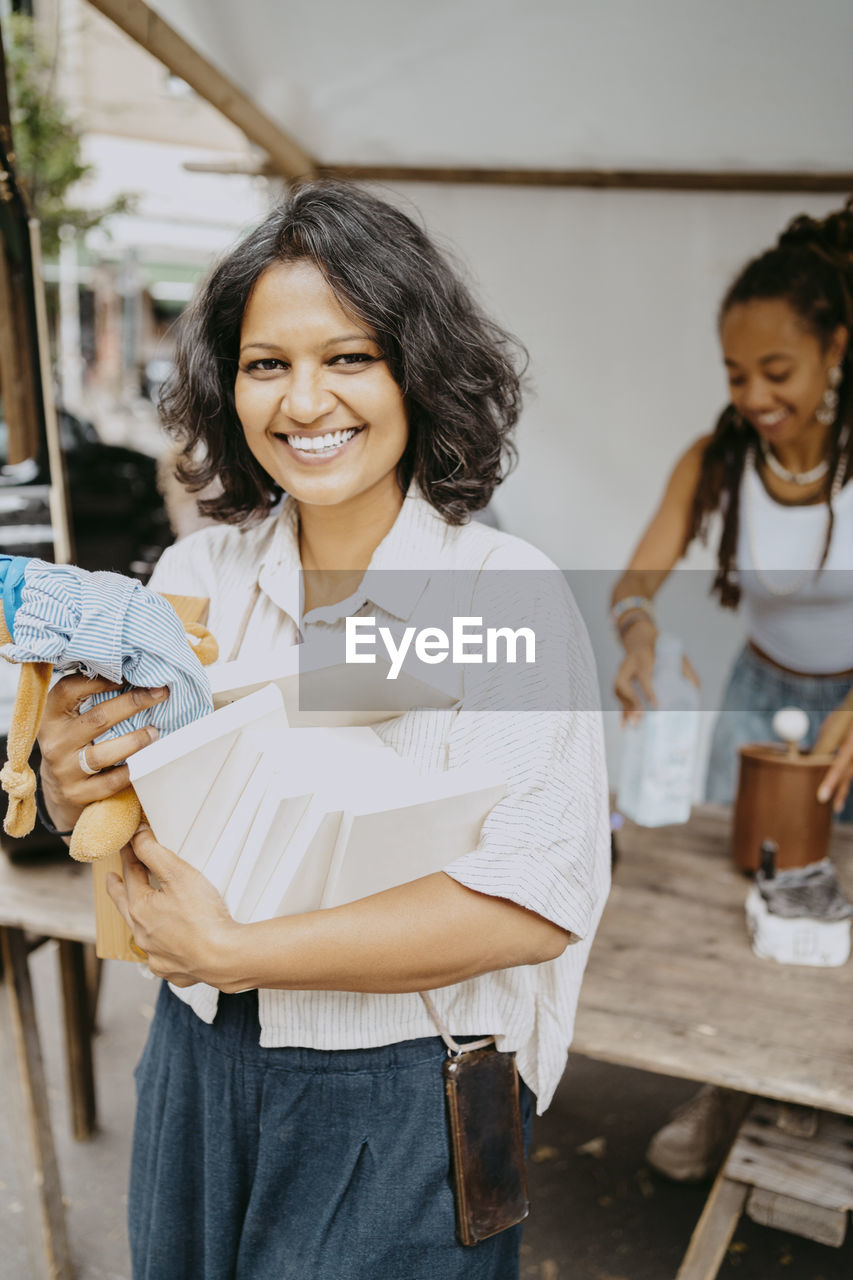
(102, 624)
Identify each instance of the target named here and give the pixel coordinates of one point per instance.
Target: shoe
(692, 1145)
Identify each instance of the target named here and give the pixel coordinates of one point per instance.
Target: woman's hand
(183, 925)
(836, 783)
(65, 732)
(634, 676)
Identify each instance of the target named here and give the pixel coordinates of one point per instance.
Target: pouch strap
(454, 1049)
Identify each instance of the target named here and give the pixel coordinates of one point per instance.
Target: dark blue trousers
(294, 1164)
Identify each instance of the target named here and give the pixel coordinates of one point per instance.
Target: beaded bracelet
(630, 604)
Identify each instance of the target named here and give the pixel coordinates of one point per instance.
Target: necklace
(766, 581)
(793, 477)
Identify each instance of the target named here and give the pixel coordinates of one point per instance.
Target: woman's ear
(838, 345)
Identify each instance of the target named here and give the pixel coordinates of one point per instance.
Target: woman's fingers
(183, 925)
(624, 689)
(634, 676)
(645, 672)
(68, 693)
(104, 755)
(91, 724)
(837, 780)
(66, 740)
(689, 671)
(63, 720)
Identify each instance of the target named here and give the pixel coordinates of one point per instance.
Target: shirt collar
(396, 577)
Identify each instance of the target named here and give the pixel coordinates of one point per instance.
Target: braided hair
(810, 268)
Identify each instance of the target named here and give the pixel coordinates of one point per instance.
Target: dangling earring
(737, 420)
(829, 404)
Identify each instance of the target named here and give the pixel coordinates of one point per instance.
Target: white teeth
(319, 444)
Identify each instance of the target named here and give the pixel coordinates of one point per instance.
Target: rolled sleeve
(546, 845)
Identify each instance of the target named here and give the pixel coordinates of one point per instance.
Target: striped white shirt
(545, 846)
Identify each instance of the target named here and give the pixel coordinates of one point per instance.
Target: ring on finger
(84, 763)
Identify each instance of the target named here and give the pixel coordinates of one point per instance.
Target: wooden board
(49, 898)
(817, 1170)
(784, 1213)
(672, 985)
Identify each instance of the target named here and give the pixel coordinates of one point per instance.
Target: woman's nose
(756, 397)
(306, 398)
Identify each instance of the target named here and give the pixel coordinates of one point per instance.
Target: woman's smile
(322, 448)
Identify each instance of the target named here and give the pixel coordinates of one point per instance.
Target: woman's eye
(268, 365)
(353, 358)
(779, 377)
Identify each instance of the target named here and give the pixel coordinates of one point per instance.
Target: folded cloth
(103, 624)
(812, 891)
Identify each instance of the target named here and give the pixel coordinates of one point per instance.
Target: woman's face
(319, 408)
(777, 369)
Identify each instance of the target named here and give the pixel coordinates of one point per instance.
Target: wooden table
(673, 987)
(40, 900)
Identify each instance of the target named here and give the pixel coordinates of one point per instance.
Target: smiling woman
(339, 382)
(778, 471)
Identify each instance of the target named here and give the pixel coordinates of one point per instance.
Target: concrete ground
(598, 1212)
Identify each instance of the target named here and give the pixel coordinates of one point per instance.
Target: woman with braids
(290, 1117)
(778, 470)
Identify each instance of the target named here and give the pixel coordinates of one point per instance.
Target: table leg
(714, 1230)
(94, 973)
(78, 1037)
(41, 1192)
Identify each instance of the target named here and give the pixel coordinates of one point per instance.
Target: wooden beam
(614, 179)
(138, 20)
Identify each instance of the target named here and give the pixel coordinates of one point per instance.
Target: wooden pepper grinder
(777, 793)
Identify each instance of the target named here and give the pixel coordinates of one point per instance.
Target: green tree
(48, 145)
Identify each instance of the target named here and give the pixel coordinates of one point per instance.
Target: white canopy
(684, 84)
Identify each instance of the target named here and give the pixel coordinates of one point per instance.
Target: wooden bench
(798, 1178)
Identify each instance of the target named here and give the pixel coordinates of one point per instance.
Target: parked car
(118, 518)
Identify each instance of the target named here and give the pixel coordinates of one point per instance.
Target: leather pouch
(487, 1143)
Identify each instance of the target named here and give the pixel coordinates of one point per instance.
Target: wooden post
(27, 1108)
(78, 1037)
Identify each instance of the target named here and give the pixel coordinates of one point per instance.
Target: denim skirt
(755, 692)
(294, 1164)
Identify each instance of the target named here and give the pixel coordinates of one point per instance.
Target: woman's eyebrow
(768, 359)
(350, 337)
(344, 337)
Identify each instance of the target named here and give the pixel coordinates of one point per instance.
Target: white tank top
(800, 618)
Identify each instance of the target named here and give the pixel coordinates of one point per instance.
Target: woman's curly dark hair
(810, 268)
(459, 373)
